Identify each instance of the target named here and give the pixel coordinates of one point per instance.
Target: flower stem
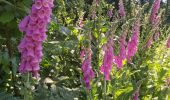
(105, 97)
(90, 94)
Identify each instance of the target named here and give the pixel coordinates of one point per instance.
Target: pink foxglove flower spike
(133, 42)
(118, 60)
(107, 60)
(86, 68)
(34, 26)
(121, 9)
(154, 20)
(154, 12)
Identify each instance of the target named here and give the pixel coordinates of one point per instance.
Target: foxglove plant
(154, 12)
(86, 68)
(34, 26)
(121, 9)
(154, 20)
(108, 59)
(118, 60)
(133, 42)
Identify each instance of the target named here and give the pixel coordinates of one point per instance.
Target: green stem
(90, 94)
(27, 86)
(105, 97)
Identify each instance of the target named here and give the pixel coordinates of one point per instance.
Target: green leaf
(14, 65)
(6, 17)
(27, 2)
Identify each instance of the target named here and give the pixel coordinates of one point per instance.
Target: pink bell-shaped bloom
(45, 3)
(34, 9)
(23, 24)
(38, 4)
(41, 13)
(33, 16)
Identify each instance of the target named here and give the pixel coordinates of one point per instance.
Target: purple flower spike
(34, 26)
(154, 21)
(107, 60)
(133, 43)
(154, 12)
(88, 73)
(118, 60)
(121, 9)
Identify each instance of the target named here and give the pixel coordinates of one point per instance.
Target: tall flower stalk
(121, 9)
(34, 26)
(133, 42)
(154, 21)
(108, 59)
(118, 60)
(86, 67)
(154, 12)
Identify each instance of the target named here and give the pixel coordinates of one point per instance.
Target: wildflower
(108, 60)
(133, 42)
(122, 53)
(121, 9)
(154, 12)
(86, 67)
(34, 27)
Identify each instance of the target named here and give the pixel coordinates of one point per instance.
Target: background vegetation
(61, 76)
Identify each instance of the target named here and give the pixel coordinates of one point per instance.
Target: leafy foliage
(7, 96)
(61, 76)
